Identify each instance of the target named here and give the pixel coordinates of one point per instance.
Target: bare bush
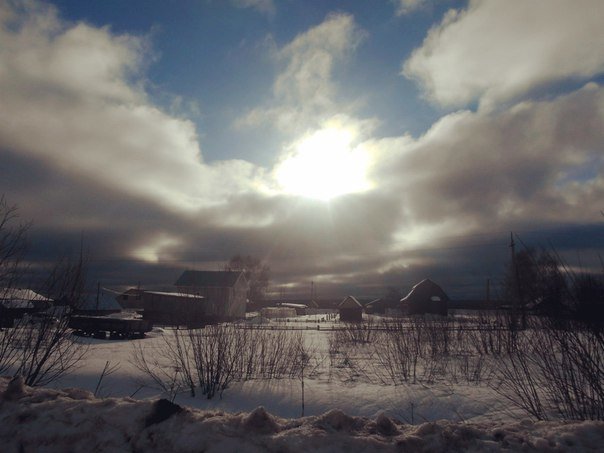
(356, 332)
(211, 358)
(397, 351)
(557, 373)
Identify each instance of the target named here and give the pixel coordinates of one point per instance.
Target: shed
(350, 310)
(426, 297)
(225, 292)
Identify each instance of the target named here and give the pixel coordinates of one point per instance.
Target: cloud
(73, 96)
(496, 51)
(536, 162)
(264, 6)
(85, 151)
(304, 94)
(408, 6)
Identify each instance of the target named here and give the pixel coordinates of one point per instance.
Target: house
(16, 302)
(131, 299)
(174, 309)
(350, 310)
(225, 292)
(426, 297)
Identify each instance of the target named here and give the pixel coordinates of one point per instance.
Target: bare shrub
(356, 332)
(211, 358)
(397, 351)
(558, 372)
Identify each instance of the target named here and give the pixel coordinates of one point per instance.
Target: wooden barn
(350, 310)
(426, 297)
(225, 292)
(131, 299)
(387, 307)
(175, 309)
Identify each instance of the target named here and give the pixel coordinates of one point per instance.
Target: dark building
(175, 309)
(350, 310)
(131, 299)
(225, 292)
(425, 298)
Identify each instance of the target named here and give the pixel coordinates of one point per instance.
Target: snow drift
(46, 420)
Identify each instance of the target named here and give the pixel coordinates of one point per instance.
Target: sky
(357, 145)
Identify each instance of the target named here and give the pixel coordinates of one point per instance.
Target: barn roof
(426, 289)
(173, 294)
(350, 302)
(209, 279)
(20, 298)
(102, 300)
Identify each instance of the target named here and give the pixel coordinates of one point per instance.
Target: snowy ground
(46, 420)
(410, 403)
(352, 415)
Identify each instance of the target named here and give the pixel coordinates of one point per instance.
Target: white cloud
(73, 96)
(498, 50)
(304, 94)
(264, 6)
(538, 162)
(408, 6)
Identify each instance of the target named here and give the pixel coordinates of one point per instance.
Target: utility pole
(98, 293)
(514, 320)
(518, 304)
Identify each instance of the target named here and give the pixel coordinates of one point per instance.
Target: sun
(324, 165)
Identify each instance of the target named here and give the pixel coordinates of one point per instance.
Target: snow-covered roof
(20, 297)
(175, 294)
(350, 302)
(290, 305)
(425, 290)
(102, 301)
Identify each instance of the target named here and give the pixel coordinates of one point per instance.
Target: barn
(130, 299)
(225, 292)
(350, 310)
(174, 309)
(426, 297)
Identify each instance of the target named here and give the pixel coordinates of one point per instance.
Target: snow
(342, 413)
(49, 420)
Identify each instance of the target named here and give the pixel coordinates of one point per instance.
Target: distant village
(207, 297)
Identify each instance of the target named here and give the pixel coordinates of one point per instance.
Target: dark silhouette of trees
(541, 282)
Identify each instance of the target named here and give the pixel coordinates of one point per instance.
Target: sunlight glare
(324, 166)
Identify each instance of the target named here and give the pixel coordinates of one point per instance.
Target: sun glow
(324, 165)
